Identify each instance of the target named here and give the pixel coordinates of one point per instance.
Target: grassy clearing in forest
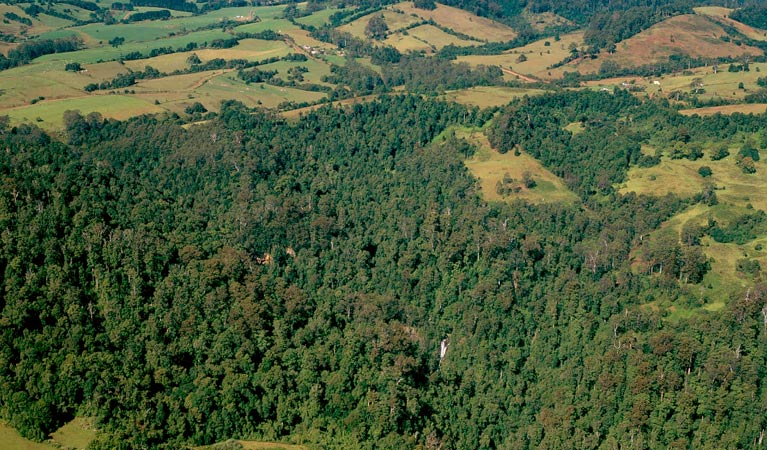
(11, 440)
(460, 21)
(255, 445)
(490, 167)
(746, 108)
(395, 20)
(489, 96)
(716, 85)
(736, 192)
(49, 114)
(538, 56)
(76, 434)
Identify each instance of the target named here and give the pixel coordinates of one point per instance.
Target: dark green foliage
(122, 6)
(162, 14)
(117, 41)
(256, 278)
(256, 75)
(607, 28)
(739, 230)
(73, 67)
(754, 15)
(433, 75)
(748, 266)
(590, 161)
(178, 5)
(32, 49)
(354, 77)
(195, 108)
(746, 165)
(17, 18)
(376, 28)
(705, 171)
(748, 151)
(425, 4)
(720, 152)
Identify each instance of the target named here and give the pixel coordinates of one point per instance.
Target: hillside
(691, 35)
(470, 225)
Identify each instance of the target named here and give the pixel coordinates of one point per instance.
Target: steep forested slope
(251, 277)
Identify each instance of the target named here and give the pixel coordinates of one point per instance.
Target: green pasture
(49, 114)
(488, 96)
(278, 25)
(107, 53)
(318, 18)
(228, 86)
(736, 193)
(317, 69)
(490, 167)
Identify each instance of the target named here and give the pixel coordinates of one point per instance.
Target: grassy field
(107, 52)
(541, 21)
(249, 49)
(488, 96)
(747, 108)
(539, 56)
(722, 15)
(395, 20)
(318, 18)
(317, 69)
(736, 192)
(721, 84)
(11, 440)
(23, 84)
(261, 94)
(256, 445)
(48, 114)
(438, 38)
(461, 21)
(689, 34)
(279, 25)
(408, 43)
(490, 167)
(76, 434)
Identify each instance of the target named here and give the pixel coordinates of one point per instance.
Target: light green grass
(490, 167)
(227, 86)
(746, 108)
(461, 21)
(394, 20)
(48, 114)
(108, 53)
(265, 13)
(319, 18)
(438, 38)
(317, 69)
(489, 96)
(76, 434)
(22, 84)
(735, 191)
(407, 43)
(539, 56)
(11, 440)
(279, 25)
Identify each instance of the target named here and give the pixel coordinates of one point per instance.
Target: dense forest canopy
(252, 277)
